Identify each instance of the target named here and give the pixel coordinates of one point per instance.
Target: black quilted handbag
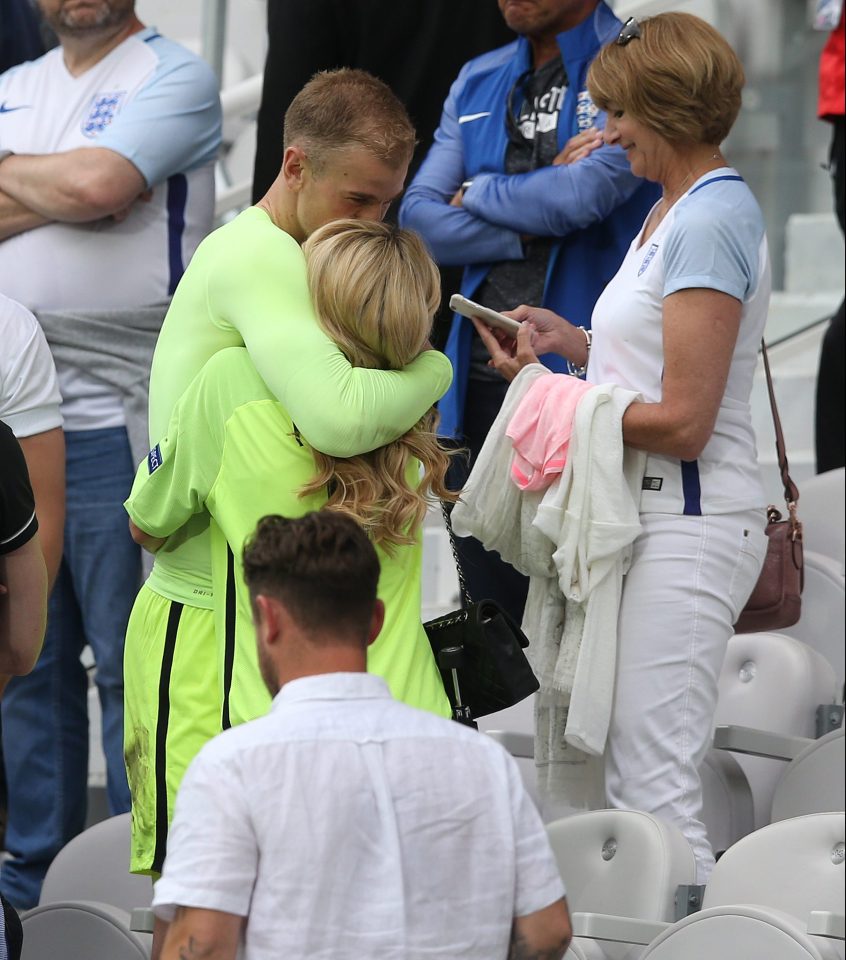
(479, 651)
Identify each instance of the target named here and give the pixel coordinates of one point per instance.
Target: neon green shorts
(172, 706)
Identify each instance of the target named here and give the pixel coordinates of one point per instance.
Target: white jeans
(690, 577)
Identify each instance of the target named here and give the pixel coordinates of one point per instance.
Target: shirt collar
(333, 686)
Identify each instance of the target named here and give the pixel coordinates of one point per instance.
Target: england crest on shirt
(650, 255)
(102, 111)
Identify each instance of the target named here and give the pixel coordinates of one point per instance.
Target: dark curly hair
(321, 567)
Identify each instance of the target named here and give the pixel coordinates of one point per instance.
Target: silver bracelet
(574, 370)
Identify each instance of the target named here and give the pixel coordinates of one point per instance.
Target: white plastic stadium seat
(822, 509)
(81, 931)
(772, 682)
(94, 866)
(84, 912)
(728, 810)
(521, 746)
(814, 781)
(775, 895)
(621, 869)
(519, 719)
(821, 625)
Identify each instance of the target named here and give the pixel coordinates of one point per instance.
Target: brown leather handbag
(776, 601)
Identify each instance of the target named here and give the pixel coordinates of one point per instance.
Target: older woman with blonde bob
(680, 323)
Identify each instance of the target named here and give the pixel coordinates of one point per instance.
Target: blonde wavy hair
(375, 290)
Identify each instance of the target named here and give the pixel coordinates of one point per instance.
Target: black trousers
(487, 575)
(830, 426)
(14, 931)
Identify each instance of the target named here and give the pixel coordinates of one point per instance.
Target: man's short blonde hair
(680, 78)
(344, 108)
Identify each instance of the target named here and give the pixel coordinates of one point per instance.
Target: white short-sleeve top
(29, 390)
(712, 237)
(346, 824)
(154, 103)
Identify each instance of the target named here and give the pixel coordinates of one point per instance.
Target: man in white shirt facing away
(343, 823)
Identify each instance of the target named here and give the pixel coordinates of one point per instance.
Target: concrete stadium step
(790, 312)
(813, 258)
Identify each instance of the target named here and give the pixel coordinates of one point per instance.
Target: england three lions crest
(650, 256)
(102, 111)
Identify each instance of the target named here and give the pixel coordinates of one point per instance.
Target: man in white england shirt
(107, 145)
(343, 823)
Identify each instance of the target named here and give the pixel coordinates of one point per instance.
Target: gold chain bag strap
(776, 601)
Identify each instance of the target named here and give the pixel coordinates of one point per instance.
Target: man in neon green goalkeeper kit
(348, 141)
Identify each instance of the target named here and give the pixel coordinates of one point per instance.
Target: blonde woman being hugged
(680, 323)
(232, 450)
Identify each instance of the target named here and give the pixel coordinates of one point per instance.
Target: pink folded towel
(540, 429)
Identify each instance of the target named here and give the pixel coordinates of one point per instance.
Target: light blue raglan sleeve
(174, 122)
(714, 243)
(455, 235)
(555, 201)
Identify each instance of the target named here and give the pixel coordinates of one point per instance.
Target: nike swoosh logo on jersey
(5, 109)
(473, 116)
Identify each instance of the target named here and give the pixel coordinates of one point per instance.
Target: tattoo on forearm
(193, 950)
(520, 949)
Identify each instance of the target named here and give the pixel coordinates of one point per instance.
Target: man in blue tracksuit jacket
(531, 227)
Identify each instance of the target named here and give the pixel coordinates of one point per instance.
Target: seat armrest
(824, 923)
(142, 920)
(603, 926)
(517, 744)
(758, 743)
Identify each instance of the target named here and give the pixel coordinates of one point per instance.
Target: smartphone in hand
(468, 308)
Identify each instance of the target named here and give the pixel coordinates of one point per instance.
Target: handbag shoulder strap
(791, 491)
(466, 599)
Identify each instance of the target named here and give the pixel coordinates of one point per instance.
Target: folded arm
(17, 218)
(456, 235)
(556, 200)
(74, 186)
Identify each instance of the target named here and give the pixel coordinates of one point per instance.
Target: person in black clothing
(23, 600)
(10, 929)
(415, 46)
(831, 395)
(21, 33)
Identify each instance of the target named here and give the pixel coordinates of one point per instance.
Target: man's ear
(267, 619)
(377, 618)
(294, 167)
